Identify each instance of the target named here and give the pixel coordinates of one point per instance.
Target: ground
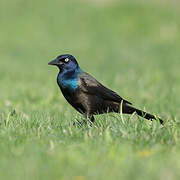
(132, 47)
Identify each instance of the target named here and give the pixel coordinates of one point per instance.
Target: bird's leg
(86, 116)
(89, 117)
(92, 119)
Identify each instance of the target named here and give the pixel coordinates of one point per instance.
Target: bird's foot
(80, 123)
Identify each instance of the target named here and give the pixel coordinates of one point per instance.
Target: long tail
(130, 110)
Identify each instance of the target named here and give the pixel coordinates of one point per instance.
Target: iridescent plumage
(86, 94)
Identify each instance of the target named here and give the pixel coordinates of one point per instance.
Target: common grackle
(87, 95)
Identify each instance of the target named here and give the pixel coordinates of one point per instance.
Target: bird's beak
(53, 62)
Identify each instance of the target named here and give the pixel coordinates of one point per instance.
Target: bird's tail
(130, 110)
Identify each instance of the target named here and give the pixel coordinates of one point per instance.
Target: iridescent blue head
(67, 78)
(65, 62)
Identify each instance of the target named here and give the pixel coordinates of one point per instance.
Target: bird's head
(65, 62)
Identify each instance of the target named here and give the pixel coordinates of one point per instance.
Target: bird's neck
(70, 73)
(68, 79)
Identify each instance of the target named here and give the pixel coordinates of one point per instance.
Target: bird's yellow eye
(66, 60)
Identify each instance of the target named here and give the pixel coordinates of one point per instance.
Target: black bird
(86, 94)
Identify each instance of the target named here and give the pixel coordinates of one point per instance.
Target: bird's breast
(67, 84)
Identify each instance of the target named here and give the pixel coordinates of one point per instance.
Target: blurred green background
(130, 46)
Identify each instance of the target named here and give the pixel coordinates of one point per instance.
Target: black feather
(87, 95)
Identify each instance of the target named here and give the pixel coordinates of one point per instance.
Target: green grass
(131, 47)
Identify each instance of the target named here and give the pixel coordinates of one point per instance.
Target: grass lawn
(132, 47)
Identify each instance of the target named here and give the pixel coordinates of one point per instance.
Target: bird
(87, 95)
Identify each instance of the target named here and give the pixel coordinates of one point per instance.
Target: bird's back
(90, 85)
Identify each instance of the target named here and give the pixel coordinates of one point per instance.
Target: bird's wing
(90, 85)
